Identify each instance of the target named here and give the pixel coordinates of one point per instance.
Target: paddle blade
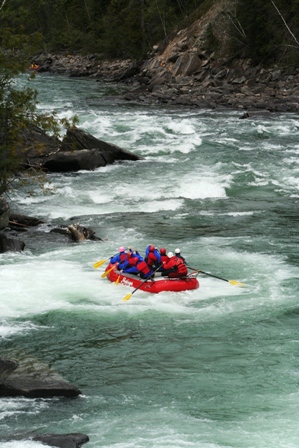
(117, 280)
(127, 297)
(108, 272)
(235, 283)
(99, 263)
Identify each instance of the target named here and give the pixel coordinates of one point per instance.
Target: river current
(211, 368)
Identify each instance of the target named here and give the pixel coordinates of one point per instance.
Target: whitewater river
(213, 368)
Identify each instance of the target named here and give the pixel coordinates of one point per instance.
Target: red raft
(158, 284)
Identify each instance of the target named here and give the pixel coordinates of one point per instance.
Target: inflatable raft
(158, 284)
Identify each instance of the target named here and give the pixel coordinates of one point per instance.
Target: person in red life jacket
(135, 265)
(124, 259)
(178, 254)
(164, 258)
(152, 257)
(175, 268)
(121, 256)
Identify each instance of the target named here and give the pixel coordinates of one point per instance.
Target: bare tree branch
(294, 37)
(3, 3)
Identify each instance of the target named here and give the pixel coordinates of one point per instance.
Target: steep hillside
(195, 67)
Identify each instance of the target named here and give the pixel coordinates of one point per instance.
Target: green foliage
(17, 105)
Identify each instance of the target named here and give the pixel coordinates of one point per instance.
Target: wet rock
(77, 151)
(19, 222)
(72, 440)
(7, 366)
(4, 213)
(10, 244)
(76, 232)
(32, 379)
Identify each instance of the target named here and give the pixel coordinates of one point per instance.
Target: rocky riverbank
(212, 83)
(184, 71)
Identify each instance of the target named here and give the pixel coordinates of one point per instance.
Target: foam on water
(206, 368)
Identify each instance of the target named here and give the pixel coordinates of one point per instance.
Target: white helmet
(170, 254)
(177, 251)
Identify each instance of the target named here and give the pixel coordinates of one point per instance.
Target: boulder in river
(32, 379)
(71, 440)
(77, 151)
(7, 366)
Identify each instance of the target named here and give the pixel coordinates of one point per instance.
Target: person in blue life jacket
(178, 254)
(121, 256)
(129, 266)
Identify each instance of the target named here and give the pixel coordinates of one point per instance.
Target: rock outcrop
(32, 379)
(21, 223)
(7, 366)
(77, 151)
(72, 440)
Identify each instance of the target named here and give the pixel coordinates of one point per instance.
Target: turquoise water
(216, 367)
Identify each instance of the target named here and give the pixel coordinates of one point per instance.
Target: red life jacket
(164, 259)
(132, 261)
(143, 267)
(181, 267)
(151, 258)
(123, 256)
(178, 264)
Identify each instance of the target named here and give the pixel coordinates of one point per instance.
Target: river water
(212, 368)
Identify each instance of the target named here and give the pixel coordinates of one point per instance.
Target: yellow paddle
(232, 282)
(100, 263)
(108, 272)
(117, 280)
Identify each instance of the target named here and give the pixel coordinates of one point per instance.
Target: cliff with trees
(266, 31)
(204, 53)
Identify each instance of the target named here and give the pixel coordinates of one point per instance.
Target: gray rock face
(72, 440)
(33, 379)
(7, 366)
(10, 244)
(77, 151)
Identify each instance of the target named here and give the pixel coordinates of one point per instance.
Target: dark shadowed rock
(78, 140)
(10, 244)
(75, 232)
(4, 213)
(66, 161)
(7, 366)
(35, 145)
(78, 151)
(19, 221)
(72, 440)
